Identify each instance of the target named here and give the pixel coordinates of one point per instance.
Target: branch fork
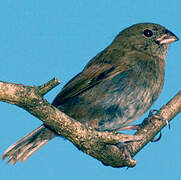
(100, 145)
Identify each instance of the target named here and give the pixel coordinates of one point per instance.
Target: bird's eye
(148, 33)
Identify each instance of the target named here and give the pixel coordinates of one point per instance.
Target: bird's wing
(97, 70)
(84, 81)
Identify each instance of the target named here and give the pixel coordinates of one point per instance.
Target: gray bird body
(121, 98)
(120, 83)
(114, 89)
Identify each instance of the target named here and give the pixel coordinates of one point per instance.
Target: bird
(114, 89)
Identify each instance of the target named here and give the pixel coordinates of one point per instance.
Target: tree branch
(100, 145)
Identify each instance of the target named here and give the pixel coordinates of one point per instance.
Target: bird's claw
(156, 139)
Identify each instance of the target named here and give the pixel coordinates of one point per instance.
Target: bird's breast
(130, 94)
(118, 101)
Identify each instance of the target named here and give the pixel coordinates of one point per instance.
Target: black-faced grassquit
(114, 89)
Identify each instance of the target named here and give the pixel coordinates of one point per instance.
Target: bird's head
(150, 38)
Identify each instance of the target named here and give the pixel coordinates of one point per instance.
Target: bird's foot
(152, 114)
(126, 149)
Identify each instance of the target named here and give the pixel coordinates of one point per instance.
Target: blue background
(40, 39)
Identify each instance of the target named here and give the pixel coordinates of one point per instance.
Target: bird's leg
(137, 127)
(130, 127)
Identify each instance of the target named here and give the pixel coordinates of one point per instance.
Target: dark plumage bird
(114, 89)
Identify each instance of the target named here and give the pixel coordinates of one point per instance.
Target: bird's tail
(26, 146)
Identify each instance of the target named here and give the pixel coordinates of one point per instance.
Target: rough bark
(100, 145)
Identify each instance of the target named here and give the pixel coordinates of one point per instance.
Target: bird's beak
(167, 38)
